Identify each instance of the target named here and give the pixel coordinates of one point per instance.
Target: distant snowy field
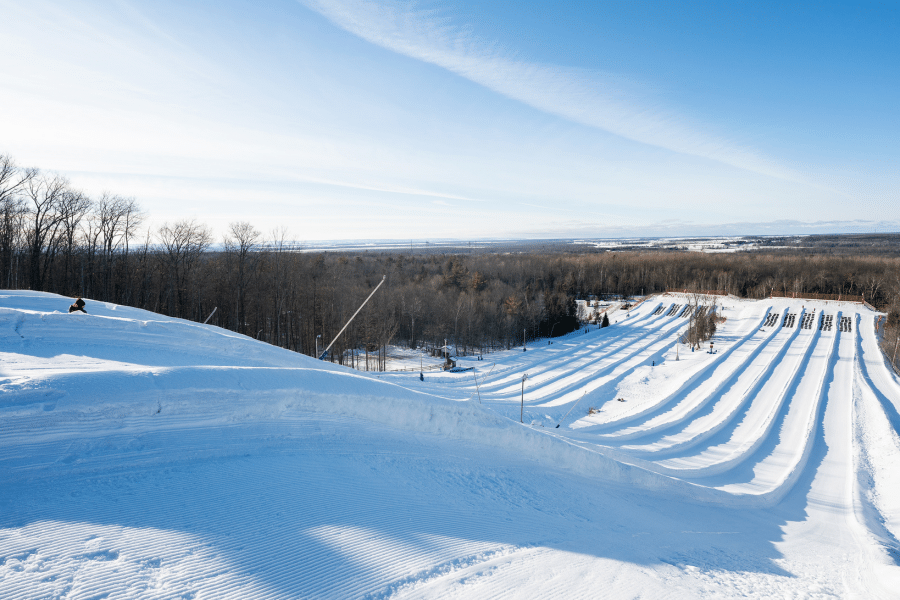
(149, 457)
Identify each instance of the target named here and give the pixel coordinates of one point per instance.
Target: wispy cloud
(592, 98)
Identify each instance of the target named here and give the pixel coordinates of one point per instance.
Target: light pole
(524, 349)
(522, 411)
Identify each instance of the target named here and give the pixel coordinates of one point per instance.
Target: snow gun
(325, 353)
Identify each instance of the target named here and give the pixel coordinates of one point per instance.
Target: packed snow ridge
(148, 457)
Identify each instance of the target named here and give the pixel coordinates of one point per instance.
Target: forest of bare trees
(55, 238)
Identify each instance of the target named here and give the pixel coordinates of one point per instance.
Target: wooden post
(522, 411)
(479, 391)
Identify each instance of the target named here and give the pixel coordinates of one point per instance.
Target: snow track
(147, 457)
(758, 420)
(694, 394)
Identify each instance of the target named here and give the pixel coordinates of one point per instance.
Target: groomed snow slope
(148, 457)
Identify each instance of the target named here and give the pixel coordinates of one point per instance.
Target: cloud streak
(592, 98)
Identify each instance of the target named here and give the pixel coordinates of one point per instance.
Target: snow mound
(120, 370)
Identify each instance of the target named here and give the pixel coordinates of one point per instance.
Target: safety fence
(811, 296)
(700, 292)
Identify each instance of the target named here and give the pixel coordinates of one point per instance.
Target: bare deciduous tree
(183, 243)
(12, 178)
(241, 243)
(12, 214)
(73, 207)
(703, 320)
(44, 192)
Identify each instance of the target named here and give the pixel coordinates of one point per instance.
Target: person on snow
(79, 305)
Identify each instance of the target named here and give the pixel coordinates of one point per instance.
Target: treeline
(55, 238)
(890, 339)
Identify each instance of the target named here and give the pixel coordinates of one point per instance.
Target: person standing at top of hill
(78, 305)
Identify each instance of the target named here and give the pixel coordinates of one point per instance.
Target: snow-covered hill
(149, 457)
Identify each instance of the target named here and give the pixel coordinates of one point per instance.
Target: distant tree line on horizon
(57, 239)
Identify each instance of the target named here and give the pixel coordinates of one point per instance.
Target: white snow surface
(148, 457)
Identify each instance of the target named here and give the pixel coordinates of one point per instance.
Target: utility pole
(522, 411)
(524, 349)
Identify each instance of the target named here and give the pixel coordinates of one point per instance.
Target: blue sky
(374, 120)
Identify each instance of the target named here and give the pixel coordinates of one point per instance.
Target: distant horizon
(399, 244)
(398, 241)
(623, 237)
